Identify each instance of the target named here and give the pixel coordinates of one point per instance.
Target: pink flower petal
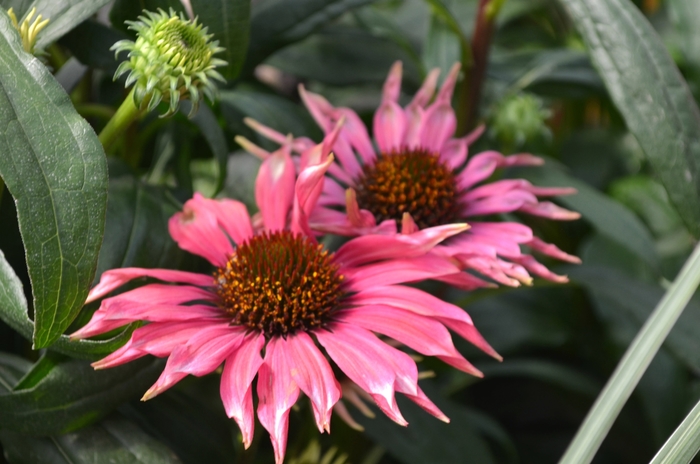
(389, 126)
(531, 264)
(439, 121)
(196, 230)
(454, 153)
(115, 278)
(426, 91)
(319, 108)
(307, 190)
(498, 188)
(359, 218)
(355, 132)
(365, 360)
(368, 248)
(552, 250)
(233, 217)
(158, 339)
(237, 383)
(505, 203)
(420, 302)
(464, 281)
(423, 334)
(479, 168)
(549, 210)
(398, 271)
(475, 134)
(202, 354)
(424, 402)
(277, 393)
(343, 151)
(274, 188)
(392, 85)
(314, 376)
(408, 225)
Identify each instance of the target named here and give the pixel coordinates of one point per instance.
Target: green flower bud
(171, 59)
(519, 119)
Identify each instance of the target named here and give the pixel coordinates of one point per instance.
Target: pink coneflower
(278, 306)
(419, 168)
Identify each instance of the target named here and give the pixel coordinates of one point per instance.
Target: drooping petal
(505, 203)
(158, 339)
(398, 271)
(363, 358)
(439, 122)
(314, 376)
(551, 250)
(531, 264)
(277, 393)
(549, 210)
(420, 302)
(274, 188)
(203, 353)
(237, 383)
(423, 334)
(355, 132)
(115, 278)
(307, 190)
(368, 248)
(196, 229)
(233, 217)
(319, 108)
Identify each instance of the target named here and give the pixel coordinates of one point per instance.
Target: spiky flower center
(411, 181)
(278, 283)
(181, 44)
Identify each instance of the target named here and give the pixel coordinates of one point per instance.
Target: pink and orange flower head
(417, 167)
(282, 308)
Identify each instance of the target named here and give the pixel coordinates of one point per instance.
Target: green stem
(639, 355)
(122, 119)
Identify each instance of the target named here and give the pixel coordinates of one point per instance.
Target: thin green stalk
(639, 355)
(683, 445)
(122, 119)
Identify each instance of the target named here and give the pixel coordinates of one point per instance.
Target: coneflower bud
(171, 59)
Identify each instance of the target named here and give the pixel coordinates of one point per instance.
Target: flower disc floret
(279, 283)
(411, 181)
(172, 58)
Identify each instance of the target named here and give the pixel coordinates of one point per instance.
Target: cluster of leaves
(608, 108)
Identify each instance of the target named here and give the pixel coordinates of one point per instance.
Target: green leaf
(648, 90)
(278, 23)
(114, 440)
(683, 15)
(229, 21)
(64, 15)
(54, 166)
(209, 127)
(616, 295)
(90, 43)
(13, 311)
(343, 55)
(65, 395)
(426, 439)
(607, 216)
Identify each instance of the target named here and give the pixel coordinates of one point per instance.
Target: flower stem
(481, 43)
(122, 119)
(683, 445)
(639, 355)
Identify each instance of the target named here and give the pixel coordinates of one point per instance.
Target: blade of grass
(683, 445)
(640, 353)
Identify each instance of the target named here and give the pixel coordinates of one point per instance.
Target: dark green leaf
(64, 15)
(206, 121)
(650, 93)
(341, 55)
(278, 23)
(114, 440)
(229, 21)
(184, 421)
(627, 303)
(13, 311)
(426, 439)
(90, 43)
(65, 395)
(683, 15)
(271, 110)
(607, 216)
(54, 166)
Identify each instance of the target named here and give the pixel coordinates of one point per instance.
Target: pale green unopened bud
(519, 119)
(28, 30)
(172, 58)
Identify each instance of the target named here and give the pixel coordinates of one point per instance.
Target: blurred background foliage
(560, 343)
